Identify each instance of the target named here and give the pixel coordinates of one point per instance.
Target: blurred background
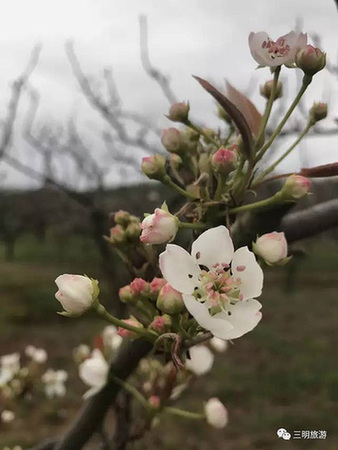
(84, 88)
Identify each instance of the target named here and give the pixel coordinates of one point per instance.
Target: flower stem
(268, 108)
(199, 130)
(104, 314)
(169, 182)
(285, 154)
(306, 81)
(277, 198)
(193, 225)
(132, 390)
(182, 413)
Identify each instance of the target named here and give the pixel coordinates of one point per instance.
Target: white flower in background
(81, 353)
(76, 293)
(54, 381)
(216, 413)
(272, 248)
(201, 360)
(38, 355)
(111, 339)
(93, 372)
(266, 52)
(7, 416)
(218, 284)
(219, 345)
(9, 366)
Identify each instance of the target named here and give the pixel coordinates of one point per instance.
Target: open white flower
(38, 355)
(9, 366)
(7, 416)
(54, 381)
(218, 284)
(201, 360)
(266, 52)
(111, 339)
(93, 372)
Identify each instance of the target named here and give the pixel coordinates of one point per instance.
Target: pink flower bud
(159, 228)
(139, 288)
(175, 161)
(266, 89)
(154, 401)
(161, 324)
(169, 300)
(155, 286)
(172, 140)
(127, 333)
(125, 294)
(122, 218)
(311, 60)
(318, 111)
(117, 235)
(295, 187)
(272, 247)
(216, 413)
(224, 160)
(179, 112)
(154, 166)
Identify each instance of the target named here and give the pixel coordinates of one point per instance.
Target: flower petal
(255, 44)
(245, 267)
(244, 317)
(179, 269)
(218, 325)
(201, 360)
(213, 246)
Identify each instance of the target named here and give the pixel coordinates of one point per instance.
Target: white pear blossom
(76, 293)
(201, 360)
(219, 345)
(266, 52)
(216, 413)
(218, 284)
(7, 416)
(54, 381)
(38, 355)
(9, 366)
(93, 372)
(111, 339)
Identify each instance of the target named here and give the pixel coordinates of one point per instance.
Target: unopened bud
(159, 227)
(175, 161)
(266, 89)
(133, 231)
(122, 218)
(169, 300)
(125, 294)
(154, 166)
(155, 286)
(172, 140)
(224, 160)
(139, 288)
(154, 402)
(295, 187)
(311, 60)
(204, 162)
(272, 248)
(123, 332)
(117, 235)
(179, 112)
(210, 133)
(161, 324)
(318, 111)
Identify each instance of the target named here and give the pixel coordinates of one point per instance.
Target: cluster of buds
(126, 230)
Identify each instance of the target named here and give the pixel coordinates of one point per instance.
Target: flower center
(218, 289)
(276, 49)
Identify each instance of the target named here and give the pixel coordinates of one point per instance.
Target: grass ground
(283, 374)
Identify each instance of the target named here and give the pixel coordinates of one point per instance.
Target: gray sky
(187, 37)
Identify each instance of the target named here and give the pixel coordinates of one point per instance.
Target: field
(282, 375)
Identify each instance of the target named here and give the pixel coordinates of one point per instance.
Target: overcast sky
(206, 38)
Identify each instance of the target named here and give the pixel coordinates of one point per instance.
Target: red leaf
(326, 170)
